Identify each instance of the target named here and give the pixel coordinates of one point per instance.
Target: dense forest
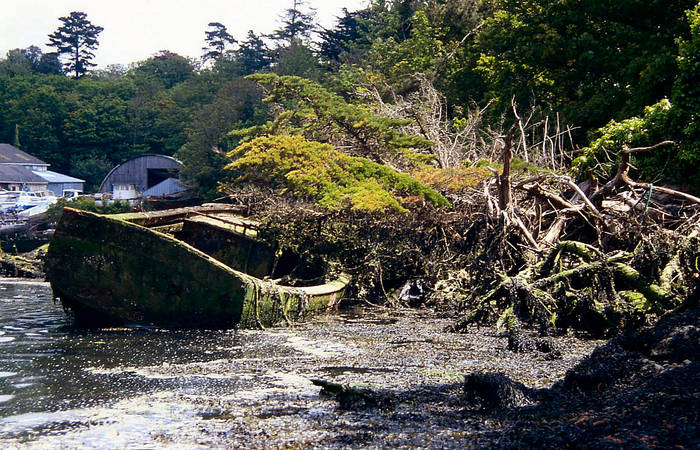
(525, 160)
(582, 75)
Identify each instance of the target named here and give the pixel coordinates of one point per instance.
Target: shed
(140, 173)
(57, 182)
(21, 171)
(170, 186)
(19, 178)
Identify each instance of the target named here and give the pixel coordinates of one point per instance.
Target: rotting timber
(190, 267)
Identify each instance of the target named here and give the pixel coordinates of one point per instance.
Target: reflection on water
(54, 377)
(61, 387)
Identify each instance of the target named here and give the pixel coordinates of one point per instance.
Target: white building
(20, 171)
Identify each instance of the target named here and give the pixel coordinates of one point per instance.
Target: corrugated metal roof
(135, 171)
(55, 177)
(165, 187)
(9, 154)
(18, 174)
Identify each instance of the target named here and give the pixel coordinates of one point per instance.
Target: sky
(136, 29)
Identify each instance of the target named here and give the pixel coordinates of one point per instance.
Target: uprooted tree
(583, 255)
(506, 242)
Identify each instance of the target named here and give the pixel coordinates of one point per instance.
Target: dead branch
(621, 176)
(504, 188)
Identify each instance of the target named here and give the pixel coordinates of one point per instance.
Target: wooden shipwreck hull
(191, 267)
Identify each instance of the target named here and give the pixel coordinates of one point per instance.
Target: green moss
(637, 300)
(142, 276)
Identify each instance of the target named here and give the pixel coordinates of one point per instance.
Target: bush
(601, 156)
(86, 204)
(332, 179)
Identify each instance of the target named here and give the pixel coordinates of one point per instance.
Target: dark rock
(682, 344)
(491, 391)
(350, 398)
(605, 365)
(520, 342)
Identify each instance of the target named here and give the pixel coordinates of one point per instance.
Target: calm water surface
(56, 378)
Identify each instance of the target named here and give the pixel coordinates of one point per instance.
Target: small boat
(26, 204)
(196, 267)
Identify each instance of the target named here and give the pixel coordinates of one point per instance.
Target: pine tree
(77, 38)
(217, 38)
(253, 54)
(296, 24)
(15, 142)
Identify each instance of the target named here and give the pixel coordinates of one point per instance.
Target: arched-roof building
(136, 175)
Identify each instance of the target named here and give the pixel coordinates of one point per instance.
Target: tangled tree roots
(625, 268)
(576, 286)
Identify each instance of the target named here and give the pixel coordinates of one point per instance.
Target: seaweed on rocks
(641, 389)
(350, 398)
(521, 342)
(493, 391)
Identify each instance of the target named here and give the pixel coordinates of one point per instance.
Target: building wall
(57, 188)
(124, 192)
(135, 171)
(31, 187)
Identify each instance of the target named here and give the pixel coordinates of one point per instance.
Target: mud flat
(140, 387)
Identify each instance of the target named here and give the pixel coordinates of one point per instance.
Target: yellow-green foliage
(453, 180)
(318, 171)
(316, 113)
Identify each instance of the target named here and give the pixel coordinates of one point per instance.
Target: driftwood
(596, 284)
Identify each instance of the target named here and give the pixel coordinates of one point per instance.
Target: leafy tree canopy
(591, 60)
(166, 68)
(315, 112)
(333, 179)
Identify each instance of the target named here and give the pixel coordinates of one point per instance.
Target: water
(63, 387)
(56, 379)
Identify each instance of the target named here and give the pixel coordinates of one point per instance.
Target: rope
(646, 206)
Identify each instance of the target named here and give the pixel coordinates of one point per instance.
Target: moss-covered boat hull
(109, 268)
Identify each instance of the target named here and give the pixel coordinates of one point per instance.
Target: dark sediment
(639, 390)
(399, 381)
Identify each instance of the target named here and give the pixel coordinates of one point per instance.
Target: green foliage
(77, 38)
(92, 168)
(331, 178)
(297, 23)
(348, 37)
(253, 54)
(660, 121)
(593, 61)
(602, 155)
(217, 38)
(28, 61)
(686, 96)
(297, 59)
(166, 68)
(203, 155)
(321, 115)
(416, 54)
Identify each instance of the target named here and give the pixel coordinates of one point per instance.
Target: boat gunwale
(336, 285)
